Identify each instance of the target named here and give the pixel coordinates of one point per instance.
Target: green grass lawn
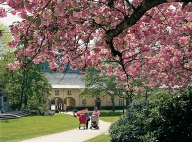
(100, 138)
(109, 119)
(14, 130)
(110, 116)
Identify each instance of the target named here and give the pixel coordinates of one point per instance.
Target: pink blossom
(59, 10)
(123, 77)
(42, 58)
(2, 1)
(2, 12)
(13, 12)
(36, 61)
(137, 65)
(81, 32)
(18, 64)
(18, 1)
(11, 66)
(183, 40)
(52, 65)
(74, 67)
(133, 71)
(111, 92)
(188, 7)
(61, 69)
(12, 44)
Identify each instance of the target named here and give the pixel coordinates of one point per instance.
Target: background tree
(28, 88)
(5, 55)
(4, 40)
(98, 84)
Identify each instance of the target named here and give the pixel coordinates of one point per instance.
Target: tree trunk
(25, 100)
(146, 95)
(127, 102)
(21, 98)
(113, 104)
(22, 89)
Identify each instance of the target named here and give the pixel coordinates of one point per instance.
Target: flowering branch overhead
(132, 40)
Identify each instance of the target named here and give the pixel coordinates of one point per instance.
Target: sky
(10, 18)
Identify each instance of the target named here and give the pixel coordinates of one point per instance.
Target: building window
(84, 101)
(69, 92)
(4, 99)
(56, 92)
(120, 102)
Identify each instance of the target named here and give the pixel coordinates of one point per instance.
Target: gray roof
(65, 80)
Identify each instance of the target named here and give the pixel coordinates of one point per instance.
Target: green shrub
(132, 125)
(176, 114)
(167, 118)
(49, 112)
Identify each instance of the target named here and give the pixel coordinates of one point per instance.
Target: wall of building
(69, 97)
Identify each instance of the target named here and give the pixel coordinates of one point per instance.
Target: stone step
(12, 115)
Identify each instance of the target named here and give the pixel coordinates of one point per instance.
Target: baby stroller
(94, 122)
(82, 121)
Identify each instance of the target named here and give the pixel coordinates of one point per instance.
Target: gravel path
(74, 135)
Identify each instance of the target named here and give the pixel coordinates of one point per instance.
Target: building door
(98, 102)
(70, 103)
(56, 103)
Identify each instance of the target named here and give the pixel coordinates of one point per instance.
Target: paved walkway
(74, 135)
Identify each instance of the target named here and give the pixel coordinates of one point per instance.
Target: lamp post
(1, 94)
(123, 93)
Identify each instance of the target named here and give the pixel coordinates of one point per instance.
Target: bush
(165, 119)
(49, 112)
(132, 125)
(39, 110)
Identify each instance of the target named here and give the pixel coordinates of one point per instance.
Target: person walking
(96, 112)
(86, 113)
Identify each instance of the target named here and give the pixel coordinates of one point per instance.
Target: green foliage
(27, 89)
(97, 86)
(166, 118)
(4, 40)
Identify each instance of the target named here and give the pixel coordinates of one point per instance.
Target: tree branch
(130, 21)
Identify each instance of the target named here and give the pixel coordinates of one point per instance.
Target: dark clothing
(87, 120)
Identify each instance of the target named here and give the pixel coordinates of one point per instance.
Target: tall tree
(4, 40)
(25, 87)
(6, 56)
(97, 81)
(28, 87)
(147, 37)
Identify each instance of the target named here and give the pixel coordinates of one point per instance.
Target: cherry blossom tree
(133, 40)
